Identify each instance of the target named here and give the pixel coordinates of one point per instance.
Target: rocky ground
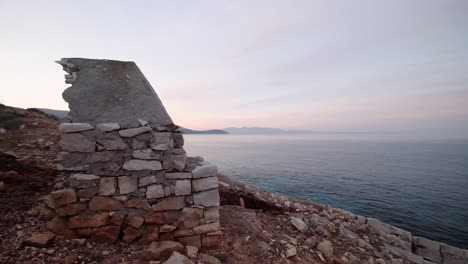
(258, 227)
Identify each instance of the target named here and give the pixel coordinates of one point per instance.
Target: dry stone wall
(133, 184)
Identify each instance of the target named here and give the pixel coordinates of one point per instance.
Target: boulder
(62, 197)
(130, 234)
(106, 234)
(135, 221)
(163, 249)
(58, 226)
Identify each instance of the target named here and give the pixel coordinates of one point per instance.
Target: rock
(427, 249)
(135, 221)
(107, 186)
(190, 217)
(161, 217)
(106, 234)
(84, 177)
(71, 209)
(62, 197)
(299, 224)
(170, 203)
(107, 127)
(291, 251)
(207, 259)
(154, 191)
(130, 234)
(150, 234)
(211, 241)
(88, 220)
(191, 252)
(206, 169)
(137, 165)
(3, 186)
(128, 184)
(167, 228)
(143, 204)
(74, 127)
(177, 258)
(58, 226)
(87, 193)
(183, 188)
(111, 141)
(117, 91)
(132, 132)
(211, 214)
(162, 249)
(205, 184)
(146, 154)
(325, 247)
(386, 228)
(178, 175)
(207, 228)
(206, 198)
(178, 140)
(100, 203)
(39, 240)
(453, 255)
(311, 242)
(144, 181)
(76, 143)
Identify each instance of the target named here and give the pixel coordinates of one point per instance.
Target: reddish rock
(167, 228)
(106, 234)
(170, 203)
(190, 217)
(58, 226)
(117, 219)
(135, 221)
(85, 232)
(101, 203)
(151, 234)
(87, 193)
(157, 218)
(39, 240)
(130, 234)
(164, 249)
(63, 197)
(202, 229)
(88, 220)
(71, 209)
(211, 241)
(143, 204)
(166, 237)
(190, 241)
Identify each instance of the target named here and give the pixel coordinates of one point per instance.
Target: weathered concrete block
(107, 186)
(206, 169)
(206, 198)
(75, 142)
(154, 191)
(136, 165)
(128, 184)
(183, 187)
(74, 127)
(107, 127)
(205, 184)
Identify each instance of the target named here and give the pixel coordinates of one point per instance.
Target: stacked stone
(133, 184)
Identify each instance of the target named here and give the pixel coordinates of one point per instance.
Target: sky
(394, 66)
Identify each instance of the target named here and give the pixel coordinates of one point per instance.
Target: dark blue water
(421, 186)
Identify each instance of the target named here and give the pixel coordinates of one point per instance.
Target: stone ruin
(128, 176)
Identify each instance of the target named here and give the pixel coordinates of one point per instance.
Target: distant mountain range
(210, 131)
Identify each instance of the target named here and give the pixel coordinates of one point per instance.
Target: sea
(418, 185)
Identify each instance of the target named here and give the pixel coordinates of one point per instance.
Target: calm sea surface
(421, 186)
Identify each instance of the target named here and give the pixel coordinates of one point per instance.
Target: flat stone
(161, 217)
(177, 258)
(106, 156)
(178, 175)
(167, 228)
(59, 226)
(191, 252)
(71, 209)
(137, 165)
(74, 127)
(325, 247)
(205, 184)
(211, 214)
(146, 154)
(427, 249)
(84, 177)
(150, 234)
(291, 251)
(139, 204)
(135, 221)
(102, 203)
(39, 240)
(299, 224)
(107, 186)
(76, 143)
(162, 249)
(116, 91)
(203, 229)
(206, 198)
(154, 191)
(169, 203)
(160, 138)
(206, 169)
(112, 141)
(88, 220)
(62, 197)
(386, 228)
(453, 255)
(207, 259)
(145, 181)
(132, 132)
(106, 127)
(190, 217)
(128, 184)
(106, 234)
(183, 187)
